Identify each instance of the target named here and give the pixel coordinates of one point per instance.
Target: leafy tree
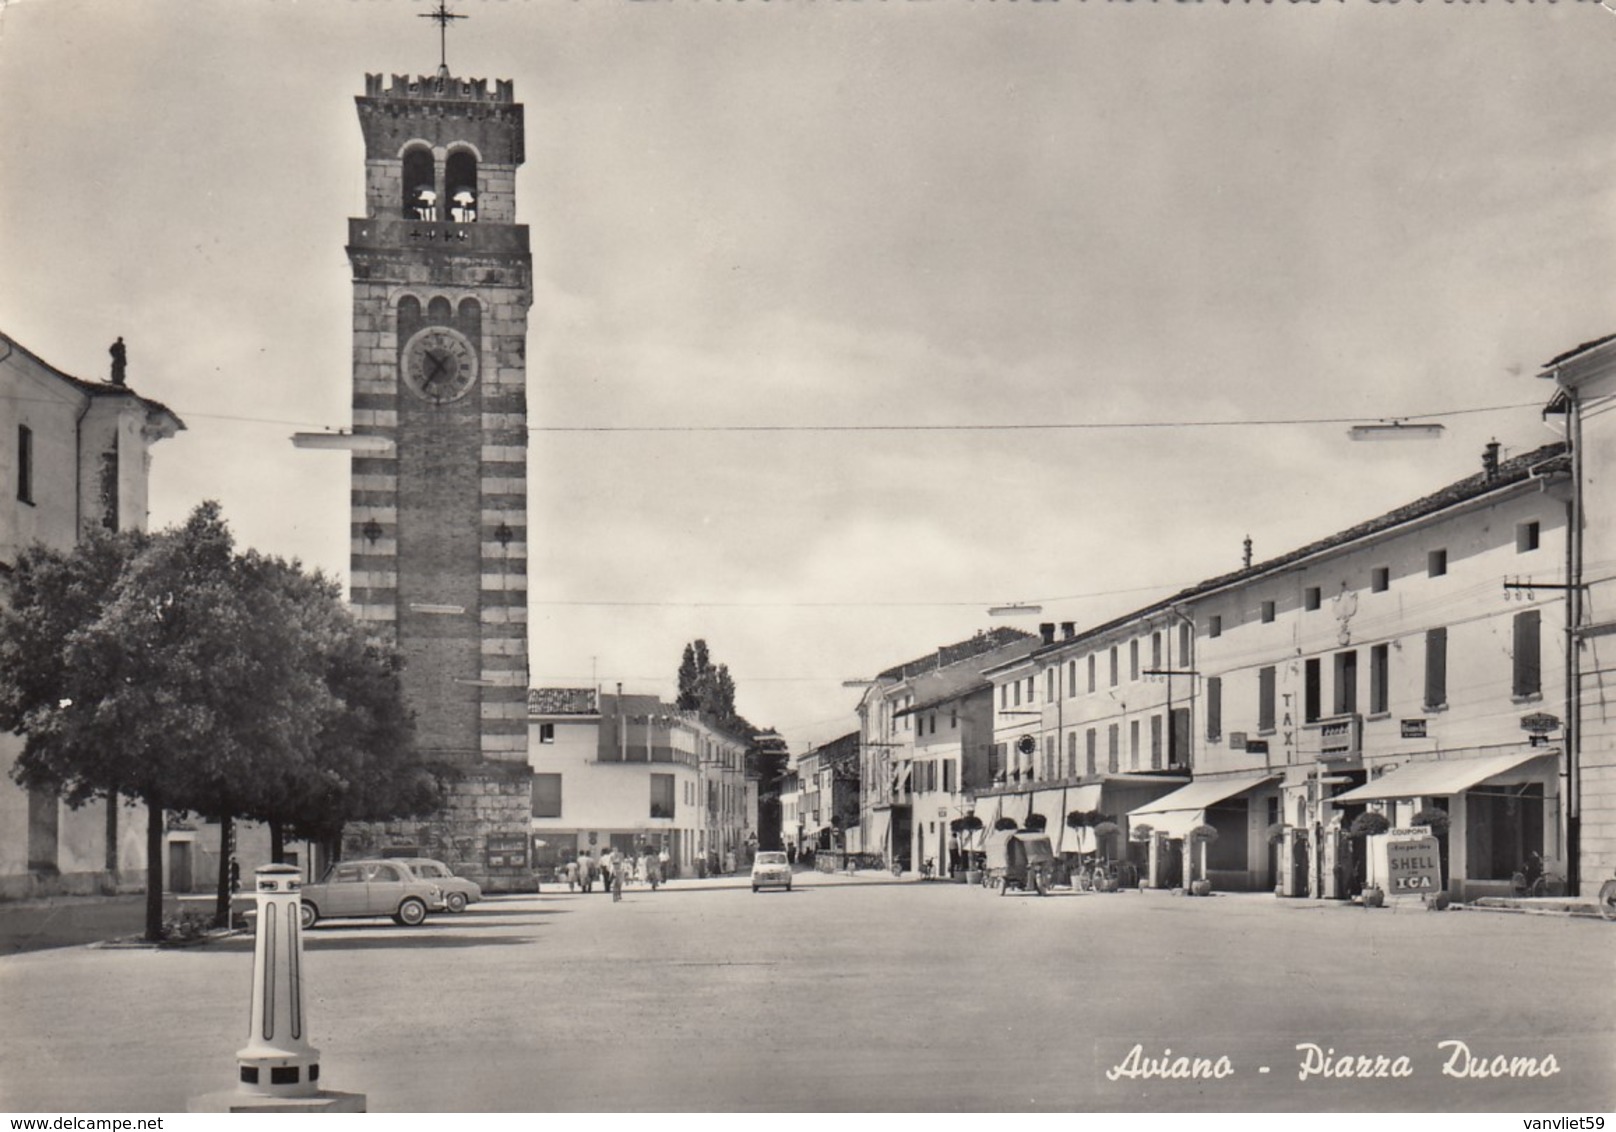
(169, 669)
(706, 687)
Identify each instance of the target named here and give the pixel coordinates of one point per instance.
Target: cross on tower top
(442, 16)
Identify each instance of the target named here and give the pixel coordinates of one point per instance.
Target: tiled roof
(1511, 471)
(96, 388)
(948, 684)
(985, 641)
(1575, 350)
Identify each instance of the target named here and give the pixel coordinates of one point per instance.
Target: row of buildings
(1454, 654)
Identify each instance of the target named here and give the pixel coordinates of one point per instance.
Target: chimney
(1068, 630)
(1047, 631)
(1246, 560)
(1489, 460)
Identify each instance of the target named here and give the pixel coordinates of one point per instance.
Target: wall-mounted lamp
(372, 530)
(343, 441)
(1396, 430)
(503, 535)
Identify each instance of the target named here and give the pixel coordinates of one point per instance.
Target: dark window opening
(1312, 598)
(1346, 682)
(1178, 737)
(460, 186)
(420, 185)
(1214, 708)
(1379, 679)
(662, 795)
(1380, 579)
(25, 463)
(1436, 563)
(1313, 691)
(1503, 824)
(1526, 536)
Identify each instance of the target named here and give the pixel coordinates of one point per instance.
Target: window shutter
(1436, 668)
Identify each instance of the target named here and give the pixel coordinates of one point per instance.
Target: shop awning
(1177, 813)
(1015, 806)
(880, 822)
(1440, 778)
(1076, 798)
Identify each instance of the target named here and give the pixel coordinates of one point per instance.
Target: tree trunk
(154, 871)
(277, 843)
(227, 857)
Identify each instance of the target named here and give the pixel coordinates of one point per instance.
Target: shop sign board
(1413, 867)
(507, 851)
(1413, 729)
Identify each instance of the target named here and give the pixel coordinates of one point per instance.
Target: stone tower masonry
(442, 281)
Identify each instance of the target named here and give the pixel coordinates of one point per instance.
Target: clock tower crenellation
(442, 285)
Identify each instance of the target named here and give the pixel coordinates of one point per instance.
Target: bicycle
(928, 868)
(1533, 880)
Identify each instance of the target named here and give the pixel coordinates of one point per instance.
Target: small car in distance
(370, 888)
(457, 891)
(771, 868)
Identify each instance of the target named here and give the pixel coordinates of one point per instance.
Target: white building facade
(632, 773)
(74, 457)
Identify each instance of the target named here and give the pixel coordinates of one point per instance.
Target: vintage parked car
(371, 888)
(771, 868)
(457, 891)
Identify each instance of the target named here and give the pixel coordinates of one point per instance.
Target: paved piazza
(854, 996)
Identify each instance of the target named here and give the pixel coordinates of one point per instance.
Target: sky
(1107, 220)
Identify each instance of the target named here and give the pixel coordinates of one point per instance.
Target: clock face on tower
(440, 365)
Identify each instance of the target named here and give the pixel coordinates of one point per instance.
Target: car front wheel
(411, 912)
(456, 901)
(307, 915)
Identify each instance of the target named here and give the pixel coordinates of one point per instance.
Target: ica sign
(1413, 867)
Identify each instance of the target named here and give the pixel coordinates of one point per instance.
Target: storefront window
(1503, 824)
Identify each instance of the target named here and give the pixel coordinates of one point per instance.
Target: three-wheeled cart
(1024, 861)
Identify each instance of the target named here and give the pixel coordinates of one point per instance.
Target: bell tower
(442, 281)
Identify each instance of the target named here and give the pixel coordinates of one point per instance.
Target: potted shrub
(1370, 823)
(1005, 824)
(1200, 835)
(1439, 822)
(1035, 823)
(1105, 835)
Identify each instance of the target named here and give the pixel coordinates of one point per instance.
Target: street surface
(850, 995)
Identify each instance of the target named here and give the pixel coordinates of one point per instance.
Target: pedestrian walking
(608, 868)
(619, 868)
(586, 871)
(571, 871)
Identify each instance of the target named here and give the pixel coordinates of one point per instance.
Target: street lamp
(344, 442)
(1014, 609)
(1396, 429)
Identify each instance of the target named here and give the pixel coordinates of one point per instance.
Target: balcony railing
(1336, 739)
